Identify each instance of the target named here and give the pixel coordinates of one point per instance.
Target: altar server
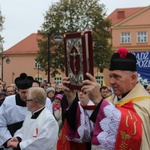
(13, 110)
(40, 129)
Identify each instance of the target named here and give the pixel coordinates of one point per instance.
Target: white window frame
(37, 65)
(39, 79)
(99, 79)
(57, 80)
(125, 37)
(141, 37)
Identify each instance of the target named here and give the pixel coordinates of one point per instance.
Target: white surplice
(40, 133)
(11, 113)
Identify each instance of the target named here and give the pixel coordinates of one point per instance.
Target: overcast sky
(24, 17)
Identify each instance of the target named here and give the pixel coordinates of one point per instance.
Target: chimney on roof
(121, 14)
(38, 32)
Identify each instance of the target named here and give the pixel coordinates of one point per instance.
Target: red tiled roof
(128, 12)
(28, 45)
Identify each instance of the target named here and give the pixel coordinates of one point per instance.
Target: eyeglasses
(28, 100)
(9, 91)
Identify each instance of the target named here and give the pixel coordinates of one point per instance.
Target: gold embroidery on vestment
(130, 114)
(125, 136)
(134, 126)
(127, 121)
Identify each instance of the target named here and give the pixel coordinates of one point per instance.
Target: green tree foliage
(1, 28)
(72, 16)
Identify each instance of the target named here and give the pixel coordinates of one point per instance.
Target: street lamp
(57, 38)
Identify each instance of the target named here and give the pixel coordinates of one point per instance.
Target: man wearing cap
(13, 110)
(124, 125)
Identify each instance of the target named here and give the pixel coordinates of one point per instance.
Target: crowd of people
(49, 116)
(28, 116)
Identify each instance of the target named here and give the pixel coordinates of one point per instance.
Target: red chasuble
(64, 144)
(130, 129)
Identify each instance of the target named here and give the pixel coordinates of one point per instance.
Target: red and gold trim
(129, 135)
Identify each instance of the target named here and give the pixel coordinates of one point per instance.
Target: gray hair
(37, 94)
(133, 72)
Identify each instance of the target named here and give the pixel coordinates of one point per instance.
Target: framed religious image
(78, 57)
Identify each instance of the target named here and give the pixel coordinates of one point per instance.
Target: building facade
(130, 29)
(22, 59)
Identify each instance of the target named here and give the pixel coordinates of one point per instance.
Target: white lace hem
(109, 125)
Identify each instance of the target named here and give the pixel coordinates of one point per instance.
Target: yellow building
(130, 29)
(22, 59)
